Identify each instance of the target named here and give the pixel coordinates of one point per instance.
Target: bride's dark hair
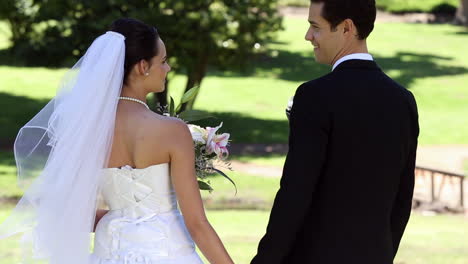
(140, 41)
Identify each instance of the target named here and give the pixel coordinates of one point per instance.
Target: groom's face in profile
(327, 42)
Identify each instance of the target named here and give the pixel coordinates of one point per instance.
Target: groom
(347, 184)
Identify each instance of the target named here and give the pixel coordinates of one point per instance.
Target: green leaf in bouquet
(171, 107)
(227, 177)
(178, 108)
(193, 115)
(190, 94)
(204, 186)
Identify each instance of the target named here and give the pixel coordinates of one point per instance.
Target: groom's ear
(349, 28)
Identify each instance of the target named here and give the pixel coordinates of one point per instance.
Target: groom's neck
(355, 47)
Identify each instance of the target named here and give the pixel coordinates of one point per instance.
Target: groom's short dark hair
(361, 12)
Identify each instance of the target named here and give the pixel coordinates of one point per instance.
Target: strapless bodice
(139, 192)
(144, 224)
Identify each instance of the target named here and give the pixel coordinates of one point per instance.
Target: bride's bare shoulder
(167, 128)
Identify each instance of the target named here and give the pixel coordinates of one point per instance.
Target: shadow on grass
(414, 66)
(301, 67)
(16, 111)
(248, 129)
(7, 158)
(8, 57)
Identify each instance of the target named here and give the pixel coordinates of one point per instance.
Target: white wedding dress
(144, 224)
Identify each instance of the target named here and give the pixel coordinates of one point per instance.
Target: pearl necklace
(134, 100)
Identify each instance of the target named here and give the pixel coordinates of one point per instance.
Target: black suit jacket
(347, 184)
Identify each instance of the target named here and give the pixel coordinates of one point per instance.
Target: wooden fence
(437, 185)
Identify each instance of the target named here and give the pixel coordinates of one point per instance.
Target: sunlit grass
(427, 240)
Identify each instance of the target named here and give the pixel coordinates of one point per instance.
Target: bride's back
(141, 138)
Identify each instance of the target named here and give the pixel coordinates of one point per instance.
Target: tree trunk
(462, 13)
(19, 29)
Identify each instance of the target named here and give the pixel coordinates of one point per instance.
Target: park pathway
(450, 158)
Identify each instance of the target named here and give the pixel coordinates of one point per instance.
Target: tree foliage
(197, 33)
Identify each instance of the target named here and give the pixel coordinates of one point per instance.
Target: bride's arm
(99, 214)
(190, 201)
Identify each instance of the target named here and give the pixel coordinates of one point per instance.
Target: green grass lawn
(427, 59)
(253, 192)
(428, 240)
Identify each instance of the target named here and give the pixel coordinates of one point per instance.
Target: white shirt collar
(354, 56)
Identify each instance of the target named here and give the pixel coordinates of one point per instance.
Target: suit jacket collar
(353, 56)
(357, 64)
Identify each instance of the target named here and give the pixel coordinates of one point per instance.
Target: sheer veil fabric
(60, 155)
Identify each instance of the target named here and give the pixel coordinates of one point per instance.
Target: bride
(97, 137)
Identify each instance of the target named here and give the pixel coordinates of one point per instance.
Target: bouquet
(210, 147)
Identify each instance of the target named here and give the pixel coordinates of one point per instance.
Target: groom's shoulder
(403, 91)
(320, 81)
(317, 87)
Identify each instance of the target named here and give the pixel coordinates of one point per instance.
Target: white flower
(290, 103)
(199, 134)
